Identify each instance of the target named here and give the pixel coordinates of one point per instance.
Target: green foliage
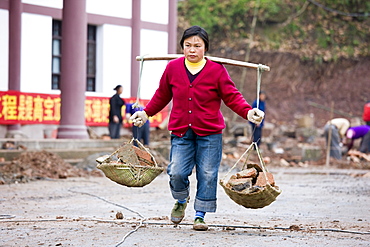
(227, 17)
(339, 30)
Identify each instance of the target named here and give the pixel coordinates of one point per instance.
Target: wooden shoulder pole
(215, 59)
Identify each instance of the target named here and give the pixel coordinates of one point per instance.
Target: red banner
(36, 108)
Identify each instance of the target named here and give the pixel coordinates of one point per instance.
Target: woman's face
(194, 49)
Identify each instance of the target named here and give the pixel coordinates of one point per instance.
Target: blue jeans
(142, 133)
(257, 133)
(203, 152)
(335, 149)
(114, 130)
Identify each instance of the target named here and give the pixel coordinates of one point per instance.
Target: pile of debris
(290, 152)
(31, 166)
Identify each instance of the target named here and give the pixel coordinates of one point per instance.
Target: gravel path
(318, 207)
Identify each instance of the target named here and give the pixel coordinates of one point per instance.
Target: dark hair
(117, 87)
(195, 31)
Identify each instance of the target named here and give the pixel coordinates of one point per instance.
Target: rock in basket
(134, 166)
(253, 187)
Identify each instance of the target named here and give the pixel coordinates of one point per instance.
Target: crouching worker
(336, 129)
(196, 87)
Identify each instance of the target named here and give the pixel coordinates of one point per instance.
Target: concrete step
(66, 154)
(42, 144)
(67, 149)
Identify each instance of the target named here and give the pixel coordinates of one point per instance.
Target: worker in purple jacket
(356, 132)
(196, 86)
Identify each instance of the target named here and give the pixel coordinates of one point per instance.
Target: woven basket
(135, 166)
(259, 199)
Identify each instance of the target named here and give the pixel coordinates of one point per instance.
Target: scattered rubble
(279, 147)
(39, 165)
(119, 215)
(290, 152)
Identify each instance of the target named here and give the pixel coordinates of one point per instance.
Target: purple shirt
(357, 131)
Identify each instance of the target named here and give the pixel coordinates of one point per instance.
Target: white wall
(152, 70)
(47, 3)
(153, 42)
(36, 53)
(4, 50)
(116, 8)
(154, 11)
(114, 60)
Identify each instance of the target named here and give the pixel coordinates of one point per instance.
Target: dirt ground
(45, 201)
(318, 207)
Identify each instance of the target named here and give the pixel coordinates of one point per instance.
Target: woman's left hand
(255, 115)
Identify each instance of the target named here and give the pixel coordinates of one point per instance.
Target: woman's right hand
(139, 118)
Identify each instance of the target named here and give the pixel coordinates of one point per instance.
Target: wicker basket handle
(264, 169)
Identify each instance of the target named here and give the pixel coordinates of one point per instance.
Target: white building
(117, 32)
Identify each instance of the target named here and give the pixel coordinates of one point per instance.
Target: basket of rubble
(252, 187)
(133, 167)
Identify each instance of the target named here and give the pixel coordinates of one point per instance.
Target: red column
(135, 49)
(73, 71)
(14, 80)
(172, 26)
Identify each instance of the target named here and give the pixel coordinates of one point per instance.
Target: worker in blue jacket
(257, 128)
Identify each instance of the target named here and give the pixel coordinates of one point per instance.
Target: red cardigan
(197, 105)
